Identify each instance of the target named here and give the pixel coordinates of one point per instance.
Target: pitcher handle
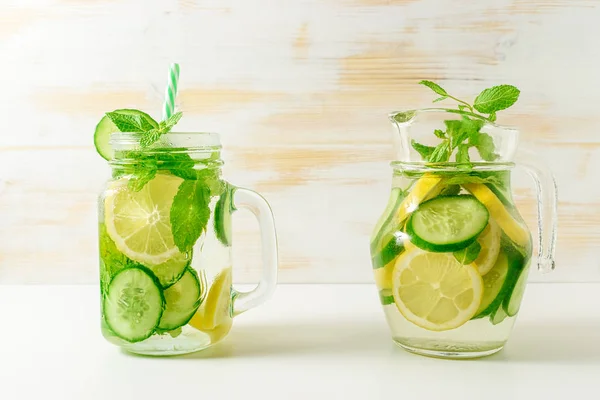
(547, 196)
(243, 301)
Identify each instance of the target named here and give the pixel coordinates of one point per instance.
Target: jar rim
(424, 166)
(196, 140)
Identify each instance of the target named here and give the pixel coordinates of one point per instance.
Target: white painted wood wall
(299, 90)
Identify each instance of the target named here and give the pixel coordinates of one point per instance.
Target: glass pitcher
(451, 253)
(165, 245)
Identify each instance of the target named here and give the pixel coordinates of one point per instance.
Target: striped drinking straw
(171, 91)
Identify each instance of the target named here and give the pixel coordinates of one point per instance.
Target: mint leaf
(455, 129)
(496, 98)
(144, 165)
(462, 155)
(439, 133)
(435, 87)
(472, 125)
(424, 151)
(500, 180)
(460, 130)
(167, 125)
(462, 179)
(129, 122)
(153, 135)
(209, 177)
(485, 145)
(441, 153)
(178, 163)
(404, 116)
(189, 214)
(143, 175)
(212, 180)
(111, 259)
(450, 190)
(440, 99)
(147, 123)
(492, 117)
(468, 254)
(452, 126)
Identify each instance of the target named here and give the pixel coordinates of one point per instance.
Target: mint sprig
(153, 135)
(461, 135)
(445, 95)
(150, 129)
(489, 101)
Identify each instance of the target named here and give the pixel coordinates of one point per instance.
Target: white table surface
(307, 342)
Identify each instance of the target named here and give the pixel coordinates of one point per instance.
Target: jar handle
(547, 194)
(243, 301)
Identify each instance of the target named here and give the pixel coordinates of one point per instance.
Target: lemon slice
(434, 291)
(489, 240)
(513, 228)
(215, 310)
(383, 276)
(139, 222)
(426, 187)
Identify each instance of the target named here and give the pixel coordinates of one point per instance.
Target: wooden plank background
(299, 90)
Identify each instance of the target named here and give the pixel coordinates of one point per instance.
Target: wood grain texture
(300, 91)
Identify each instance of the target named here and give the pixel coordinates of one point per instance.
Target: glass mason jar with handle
(165, 245)
(451, 253)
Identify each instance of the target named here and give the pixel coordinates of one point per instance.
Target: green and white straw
(171, 91)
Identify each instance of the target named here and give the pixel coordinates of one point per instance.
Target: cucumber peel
(133, 304)
(447, 224)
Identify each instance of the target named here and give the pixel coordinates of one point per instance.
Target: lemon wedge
(216, 309)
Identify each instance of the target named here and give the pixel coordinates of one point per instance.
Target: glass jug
(451, 253)
(165, 245)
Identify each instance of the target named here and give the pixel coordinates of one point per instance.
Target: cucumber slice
(223, 211)
(387, 217)
(512, 303)
(393, 248)
(386, 297)
(171, 270)
(106, 127)
(182, 301)
(498, 316)
(386, 246)
(518, 256)
(134, 304)
(448, 223)
(493, 283)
